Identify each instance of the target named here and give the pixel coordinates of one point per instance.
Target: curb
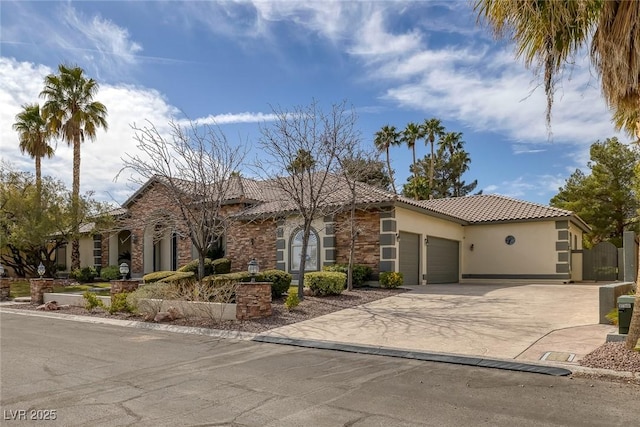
(216, 333)
(418, 355)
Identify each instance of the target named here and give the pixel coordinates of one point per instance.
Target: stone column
(5, 288)
(253, 300)
(120, 286)
(38, 288)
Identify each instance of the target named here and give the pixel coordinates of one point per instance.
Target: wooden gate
(600, 263)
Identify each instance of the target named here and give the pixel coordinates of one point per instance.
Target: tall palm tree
(432, 128)
(451, 141)
(548, 34)
(410, 135)
(73, 115)
(34, 136)
(386, 138)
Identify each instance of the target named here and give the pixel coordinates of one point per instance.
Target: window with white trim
(313, 258)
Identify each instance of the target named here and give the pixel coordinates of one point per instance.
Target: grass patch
(20, 289)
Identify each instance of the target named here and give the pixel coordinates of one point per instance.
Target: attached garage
(409, 260)
(443, 260)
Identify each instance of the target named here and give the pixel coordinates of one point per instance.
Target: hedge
(280, 280)
(325, 283)
(391, 279)
(156, 276)
(361, 273)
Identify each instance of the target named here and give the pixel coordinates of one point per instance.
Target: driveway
(525, 322)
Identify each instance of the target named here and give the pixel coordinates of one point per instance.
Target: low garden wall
(71, 299)
(207, 310)
(608, 298)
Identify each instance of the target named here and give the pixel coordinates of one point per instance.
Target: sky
(232, 63)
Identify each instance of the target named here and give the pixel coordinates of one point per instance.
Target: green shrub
(241, 276)
(119, 303)
(155, 292)
(361, 273)
(221, 266)
(391, 279)
(192, 267)
(292, 301)
(280, 281)
(612, 316)
(156, 276)
(92, 301)
(84, 274)
(111, 272)
(178, 276)
(325, 282)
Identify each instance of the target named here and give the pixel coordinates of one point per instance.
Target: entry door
(409, 260)
(442, 260)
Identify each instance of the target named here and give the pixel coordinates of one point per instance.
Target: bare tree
(196, 164)
(301, 151)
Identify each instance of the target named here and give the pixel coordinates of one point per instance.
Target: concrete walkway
(558, 323)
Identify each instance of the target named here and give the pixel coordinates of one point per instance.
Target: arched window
(313, 258)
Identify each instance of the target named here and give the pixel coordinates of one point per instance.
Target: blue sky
(231, 62)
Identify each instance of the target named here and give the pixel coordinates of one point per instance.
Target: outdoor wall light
(471, 247)
(41, 269)
(1, 270)
(426, 241)
(253, 269)
(398, 237)
(124, 270)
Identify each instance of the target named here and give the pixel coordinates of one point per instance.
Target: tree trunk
(634, 326)
(393, 181)
(75, 204)
(39, 182)
(415, 186)
(200, 265)
(431, 167)
(303, 259)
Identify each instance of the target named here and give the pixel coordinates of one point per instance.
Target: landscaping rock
(162, 316)
(174, 313)
(49, 306)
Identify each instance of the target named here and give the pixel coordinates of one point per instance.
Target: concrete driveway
(527, 322)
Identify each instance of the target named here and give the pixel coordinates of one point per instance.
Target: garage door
(442, 260)
(409, 260)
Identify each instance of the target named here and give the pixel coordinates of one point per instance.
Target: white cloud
(544, 186)
(21, 82)
(231, 118)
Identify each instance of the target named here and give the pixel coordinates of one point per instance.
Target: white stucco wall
(86, 252)
(533, 253)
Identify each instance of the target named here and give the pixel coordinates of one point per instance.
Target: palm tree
(385, 139)
(73, 115)
(432, 128)
(410, 135)
(34, 136)
(548, 34)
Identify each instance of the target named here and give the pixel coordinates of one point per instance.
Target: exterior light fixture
(124, 270)
(471, 247)
(41, 269)
(426, 241)
(1, 270)
(398, 237)
(253, 269)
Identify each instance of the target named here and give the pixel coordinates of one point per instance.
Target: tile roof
(269, 198)
(493, 208)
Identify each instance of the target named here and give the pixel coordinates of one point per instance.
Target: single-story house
(465, 239)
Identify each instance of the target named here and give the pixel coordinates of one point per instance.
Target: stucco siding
(534, 252)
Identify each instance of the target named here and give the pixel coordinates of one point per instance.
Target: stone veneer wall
(121, 286)
(253, 300)
(252, 240)
(38, 288)
(5, 289)
(367, 244)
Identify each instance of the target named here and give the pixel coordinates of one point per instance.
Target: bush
(241, 276)
(192, 267)
(221, 266)
(92, 301)
(178, 276)
(292, 301)
(325, 282)
(111, 272)
(84, 274)
(391, 279)
(280, 281)
(155, 292)
(156, 276)
(361, 273)
(119, 303)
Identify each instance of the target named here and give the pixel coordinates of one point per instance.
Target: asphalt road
(95, 375)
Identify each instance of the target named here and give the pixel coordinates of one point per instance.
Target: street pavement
(522, 322)
(90, 374)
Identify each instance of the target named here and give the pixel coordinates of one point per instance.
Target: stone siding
(253, 300)
(38, 288)
(5, 289)
(367, 247)
(121, 286)
(252, 240)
